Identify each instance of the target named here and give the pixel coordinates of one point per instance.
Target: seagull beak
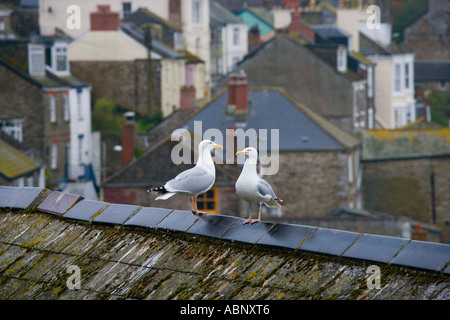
(240, 152)
(218, 146)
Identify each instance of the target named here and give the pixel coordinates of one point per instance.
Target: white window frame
(66, 107)
(397, 77)
(80, 105)
(341, 59)
(196, 12)
(52, 105)
(236, 36)
(128, 11)
(54, 156)
(36, 60)
(407, 78)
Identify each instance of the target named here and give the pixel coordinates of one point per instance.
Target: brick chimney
(297, 27)
(238, 94)
(128, 139)
(187, 99)
(104, 19)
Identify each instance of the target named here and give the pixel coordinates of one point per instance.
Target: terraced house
(46, 107)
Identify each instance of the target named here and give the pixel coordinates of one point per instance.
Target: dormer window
(57, 59)
(36, 60)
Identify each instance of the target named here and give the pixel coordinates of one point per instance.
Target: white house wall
(57, 16)
(235, 53)
(80, 124)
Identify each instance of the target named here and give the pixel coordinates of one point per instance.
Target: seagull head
(208, 145)
(250, 153)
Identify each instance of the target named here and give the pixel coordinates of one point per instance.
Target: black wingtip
(158, 189)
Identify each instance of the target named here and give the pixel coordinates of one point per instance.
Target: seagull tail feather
(163, 193)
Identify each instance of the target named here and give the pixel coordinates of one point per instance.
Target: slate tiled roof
(431, 70)
(300, 129)
(153, 253)
(383, 144)
(219, 15)
(14, 163)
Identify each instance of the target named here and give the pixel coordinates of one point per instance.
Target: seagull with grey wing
(251, 188)
(194, 181)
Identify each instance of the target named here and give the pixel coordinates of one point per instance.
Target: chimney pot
(104, 20)
(187, 99)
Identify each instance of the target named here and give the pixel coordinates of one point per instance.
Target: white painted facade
(196, 33)
(236, 44)
(59, 13)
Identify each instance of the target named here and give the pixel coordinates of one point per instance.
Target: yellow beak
(240, 152)
(218, 146)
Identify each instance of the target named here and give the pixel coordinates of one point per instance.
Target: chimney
(437, 8)
(238, 94)
(104, 19)
(128, 139)
(187, 99)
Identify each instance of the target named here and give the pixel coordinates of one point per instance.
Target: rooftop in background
(431, 70)
(14, 163)
(418, 139)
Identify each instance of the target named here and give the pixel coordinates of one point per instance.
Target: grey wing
(193, 180)
(265, 189)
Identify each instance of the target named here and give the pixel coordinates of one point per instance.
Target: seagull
(194, 181)
(251, 188)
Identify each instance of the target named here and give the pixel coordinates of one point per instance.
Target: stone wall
(311, 183)
(125, 82)
(403, 188)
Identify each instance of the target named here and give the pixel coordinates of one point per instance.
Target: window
(52, 109)
(61, 59)
(79, 105)
(12, 127)
(236, 36)
(342, 59)
(407, 75)
(54, 156)
(66, 107)
(36, 60)
(208, 201)
(397, 78)
(196, 11)
(126, 8)
(350, 167)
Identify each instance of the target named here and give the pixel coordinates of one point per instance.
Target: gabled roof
(262, 13)
(431, 70)
(404, 143)
(220, 15)
(14, 163)
(145, 16)
(300, 129)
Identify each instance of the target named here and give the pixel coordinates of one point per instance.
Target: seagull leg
(259, 215)
(249, 219)
(191, 200)
(195, 211)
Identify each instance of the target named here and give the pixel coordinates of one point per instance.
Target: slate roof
(144, 16)
(369, 47)
(300, 129)
(431, 70)
(14, 56)
(220, 15)
(404, 143)
(155, 167)
(14, 163)
(129, 252)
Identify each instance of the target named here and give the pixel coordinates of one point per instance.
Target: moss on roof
(381, 144)
(14, 163)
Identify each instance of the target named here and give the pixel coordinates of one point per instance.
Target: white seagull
(251, 188)
(194, 181)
